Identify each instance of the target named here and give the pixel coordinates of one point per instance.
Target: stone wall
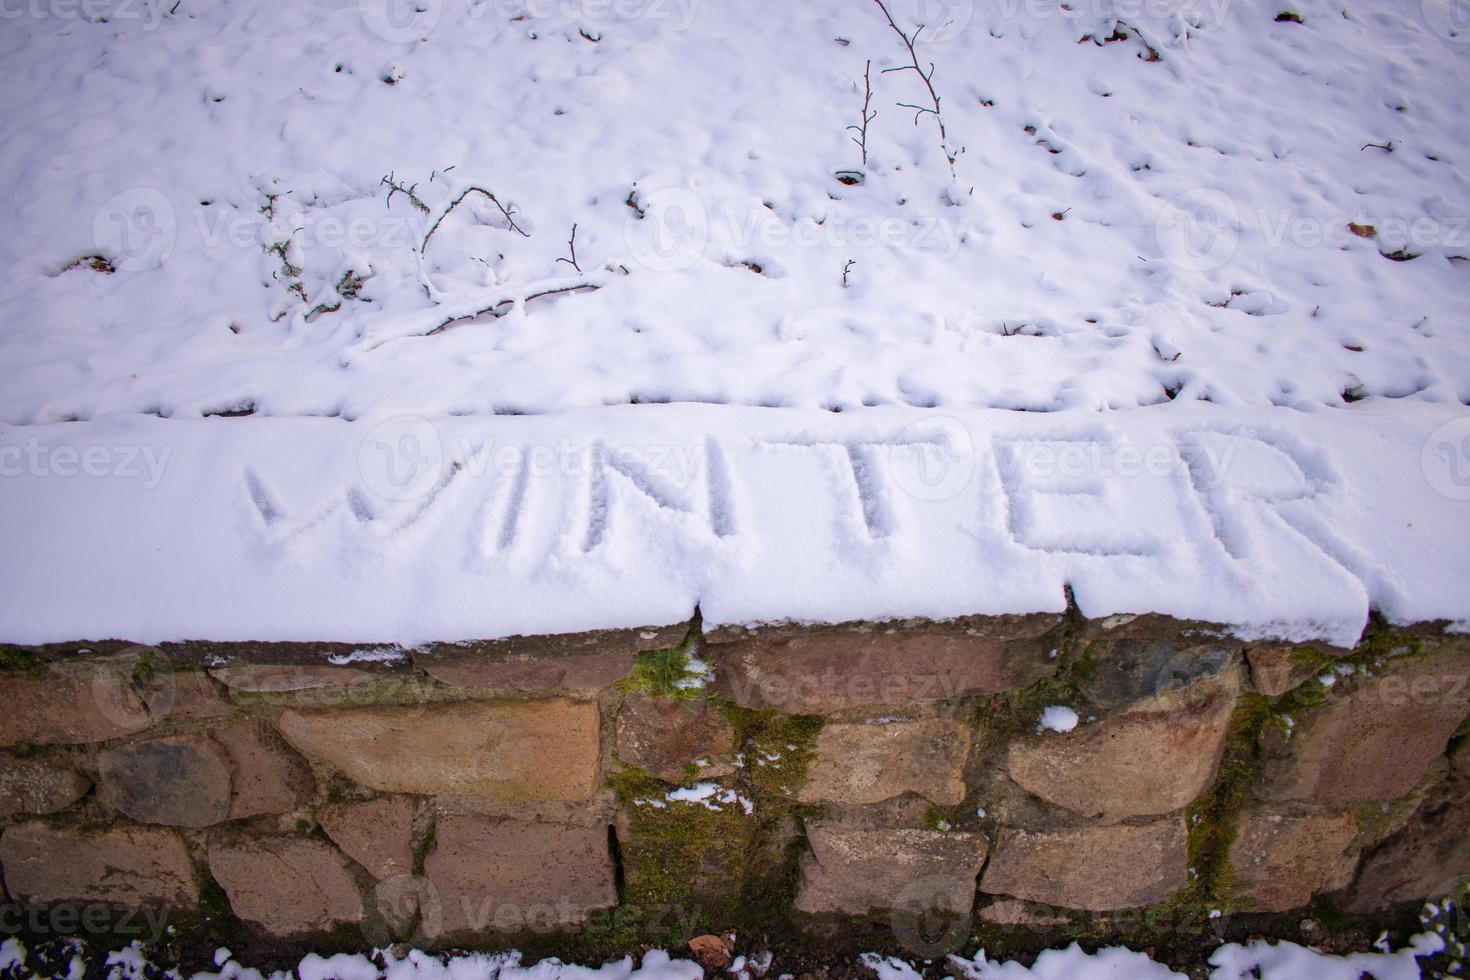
(651, 785)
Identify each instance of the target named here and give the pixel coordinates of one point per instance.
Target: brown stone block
(286, 885)
(1135, 764)
(491, 876)
(526, 750)
(826, 669)
(857, 872)
(664, 736)
(377, 833)
(134, 867)
(179, 781)
(869, 762)
(33, 786)
(1280, 860)
(1099, 869)
(1375, 737)
(70, 704)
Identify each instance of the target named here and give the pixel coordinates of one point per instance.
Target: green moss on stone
(669, 672)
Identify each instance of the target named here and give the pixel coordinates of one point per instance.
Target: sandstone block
(821, 670)
(286, 678)
(69, 705)
(134, 867)
(858, 872)
(1375, 738)
(1427, 857)
(871, 762)
(1281, 861)
(1099, 869)
(532, 750)
(582, 672)
(268, 776)
(1276, 669)
(31, 786)
(1134, 764)
(1126, 671)
(180, 781)
(286, 885)
(505, 876)
(377, 833)
(582, 662)
(185, 694)
(665, 736)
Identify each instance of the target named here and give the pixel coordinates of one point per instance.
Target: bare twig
(1386, 147)
(572, 244)
(861, 139)
(508, 213)
(396, 186)
(928, 79)
(504, 306)
(846, 269)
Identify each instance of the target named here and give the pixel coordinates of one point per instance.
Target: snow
(711, 796)
(1124, 341)
(281, 529)
(1257, 960)
(1057, 718)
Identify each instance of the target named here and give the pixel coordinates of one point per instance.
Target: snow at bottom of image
(1233, 961)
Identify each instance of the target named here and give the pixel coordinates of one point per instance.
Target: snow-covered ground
(1254, 961)
(1179, 226)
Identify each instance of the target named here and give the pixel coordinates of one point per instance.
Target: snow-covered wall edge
(1278, 523)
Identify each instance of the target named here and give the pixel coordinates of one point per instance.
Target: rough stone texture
(286, 885)
(32, 786)
(180, 781)
(1009, 912)
(580, 662)
(1280, 861)
(513, 672)
(869, 763)
(1129, 670)
(1134, 764)
(855, 872)
(1278, 669)
(269, 777)
(284, 678)
(69, 705)
(664, 736)
(185, 695)
(134, 867)
(820, 670)
(1099, 869)
(505, 876)
(1374, 739)
(531, 750)
(377, 834)
(1425, 859)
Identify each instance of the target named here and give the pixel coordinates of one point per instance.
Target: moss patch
(682, 861)
(14, 658)
(672, 672)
